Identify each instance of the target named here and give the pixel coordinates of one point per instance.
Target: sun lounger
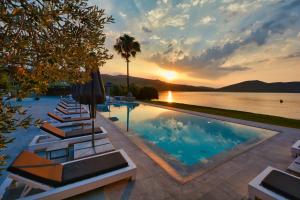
(78, 110)
(41, 142)
(295, 150)
(47, 127)
(295, 167)
(68, 100)
(274, 184)
(60, 181)
(70, 106)
(68, 112)
(67, 119)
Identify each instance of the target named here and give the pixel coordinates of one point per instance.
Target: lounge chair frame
(257, 191)
(62, 119)
(36, 145)
(79, 187)
(295, 149)
(72, 112)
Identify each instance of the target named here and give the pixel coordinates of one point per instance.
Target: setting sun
(169, 75)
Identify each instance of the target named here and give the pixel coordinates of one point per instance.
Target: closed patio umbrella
(92, 93)
(75, 92)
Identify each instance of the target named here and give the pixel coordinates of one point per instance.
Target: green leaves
(44, 42)
(54, 38)
(127, 46)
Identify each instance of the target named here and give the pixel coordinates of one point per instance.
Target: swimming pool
(184, 141)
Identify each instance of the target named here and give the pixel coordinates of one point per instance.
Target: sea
(278, 104)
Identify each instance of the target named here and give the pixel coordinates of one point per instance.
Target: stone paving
(227, 181)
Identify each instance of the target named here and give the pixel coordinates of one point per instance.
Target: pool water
(184, 139)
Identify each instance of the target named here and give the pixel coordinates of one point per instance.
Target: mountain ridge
(245, 86)
(158, 84)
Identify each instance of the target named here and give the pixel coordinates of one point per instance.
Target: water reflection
(170, 97)
(264, 103)
(187, 138)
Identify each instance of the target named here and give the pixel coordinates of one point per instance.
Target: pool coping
(171, 170)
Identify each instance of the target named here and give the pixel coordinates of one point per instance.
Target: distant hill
(246, 86)
(260, 86)
(159, 85)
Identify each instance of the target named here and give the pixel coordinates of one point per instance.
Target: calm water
(187, 138)
(264, 103)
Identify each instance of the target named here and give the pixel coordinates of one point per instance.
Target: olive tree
(43, 42)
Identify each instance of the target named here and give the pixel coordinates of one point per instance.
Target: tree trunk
(127, 77)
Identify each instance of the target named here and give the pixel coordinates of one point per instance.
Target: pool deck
(226, 181)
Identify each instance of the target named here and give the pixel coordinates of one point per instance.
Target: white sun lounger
(258, 191)
(77, 187)
(295, 150)
(294, 167)
(40, 142)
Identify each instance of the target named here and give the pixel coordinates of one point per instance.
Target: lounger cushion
(68, 104)
(70, 107)
(282, 184)
(66, 112)
(90, 167)
(53, 130)
(69, 119)
(68, 100)
(82, 132)
(55, 175)
(69, 134)
(31, 166)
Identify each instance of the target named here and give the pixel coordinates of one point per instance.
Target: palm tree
(127, 47)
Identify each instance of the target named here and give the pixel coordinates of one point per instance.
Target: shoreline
(261, 118)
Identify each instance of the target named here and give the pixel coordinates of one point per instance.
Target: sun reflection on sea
(170, 97)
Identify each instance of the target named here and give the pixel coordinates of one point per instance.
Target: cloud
(193, 3)
(192, 40)
(201, 2)
(293, 55)
(233, 8)
(196, 66)
(210, 63)
(158, 18)
(176, 21)
(155, 16)
(206, 20)
(122, 14)
(154, 37)
(184, 5)
(146, 29)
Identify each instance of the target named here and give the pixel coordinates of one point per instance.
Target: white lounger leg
(26, 190)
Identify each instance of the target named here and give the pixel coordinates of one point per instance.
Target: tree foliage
(141, 93)
(148, 93)
(127, 47)
(44, 42)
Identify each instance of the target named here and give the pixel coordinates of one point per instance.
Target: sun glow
(170, 97)
(169, 75)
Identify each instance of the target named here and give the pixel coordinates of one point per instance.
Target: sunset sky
(208, 42)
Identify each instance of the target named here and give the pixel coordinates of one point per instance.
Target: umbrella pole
(93, 112)
(127, 118)
(93, 136)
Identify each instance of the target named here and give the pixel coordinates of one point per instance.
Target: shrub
(147, 93)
